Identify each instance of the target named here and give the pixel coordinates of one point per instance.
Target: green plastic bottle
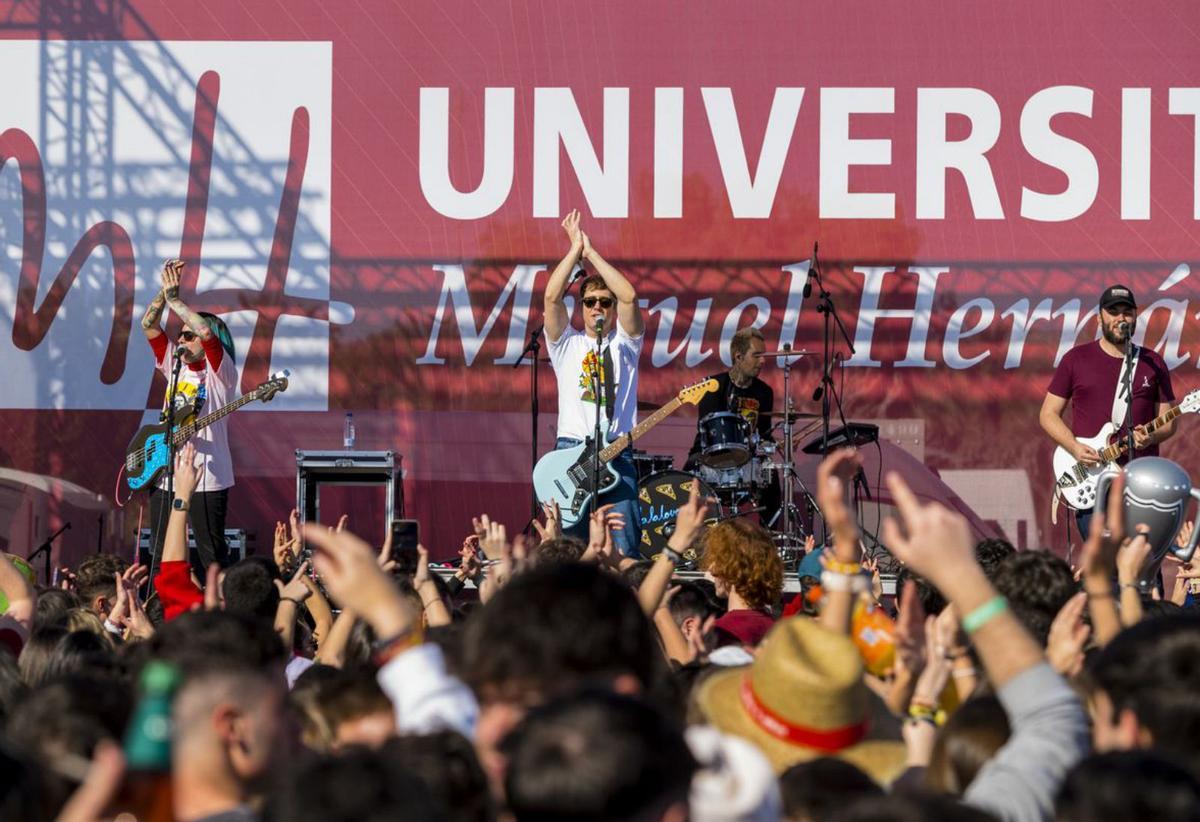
(146, 792)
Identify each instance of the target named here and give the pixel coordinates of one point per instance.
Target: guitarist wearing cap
(208, 379)
(612, 316)
(1088, 377)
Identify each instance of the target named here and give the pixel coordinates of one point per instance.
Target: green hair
(222, 331)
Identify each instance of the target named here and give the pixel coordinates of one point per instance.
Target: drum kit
(739, 471)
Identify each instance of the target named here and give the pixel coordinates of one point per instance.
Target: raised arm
(1050, 732)
(843, 578)
(629, 313)
(150, 320)
(171, 273)
(553, 307)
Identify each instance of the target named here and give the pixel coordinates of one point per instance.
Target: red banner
(370, 194)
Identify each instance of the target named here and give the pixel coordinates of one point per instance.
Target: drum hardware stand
(787, 509)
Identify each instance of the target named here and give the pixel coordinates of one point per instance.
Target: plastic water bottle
(348, 432)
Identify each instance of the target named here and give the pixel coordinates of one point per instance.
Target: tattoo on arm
(154, 312)
(190, 318)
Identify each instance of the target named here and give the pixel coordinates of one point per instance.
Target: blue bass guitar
(565, 476)
(147, 454)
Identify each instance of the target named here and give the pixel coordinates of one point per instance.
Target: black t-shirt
(752, 402)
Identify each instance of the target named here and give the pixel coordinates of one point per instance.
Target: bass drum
(660, 496)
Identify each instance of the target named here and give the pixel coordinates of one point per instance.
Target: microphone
(599, 325)
(180, 351)
(808, 278)
(1124, 326)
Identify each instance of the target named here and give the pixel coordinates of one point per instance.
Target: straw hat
(803, 698)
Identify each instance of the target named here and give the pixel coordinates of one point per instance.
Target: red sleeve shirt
(214, 352)
(176, 590)
(159, 345)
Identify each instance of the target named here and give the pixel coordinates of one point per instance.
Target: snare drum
(660, 496)
(737, 485)
(724, 440)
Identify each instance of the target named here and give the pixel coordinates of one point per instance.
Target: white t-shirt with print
(573, 356)
(214, 388)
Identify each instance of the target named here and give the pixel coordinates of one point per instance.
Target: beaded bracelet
(838, 567)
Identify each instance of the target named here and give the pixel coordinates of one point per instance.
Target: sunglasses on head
(605, 302)
(186, 336)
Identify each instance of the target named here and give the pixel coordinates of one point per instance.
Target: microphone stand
(44, 549)
(597, 392)
(154, 555)
(1127, 392)
(534, 349)
(826, 392)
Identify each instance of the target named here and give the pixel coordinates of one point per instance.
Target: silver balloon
(1157, 491)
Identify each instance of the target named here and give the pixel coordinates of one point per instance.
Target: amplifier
(239, 542)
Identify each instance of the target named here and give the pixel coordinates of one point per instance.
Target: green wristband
(984, 614)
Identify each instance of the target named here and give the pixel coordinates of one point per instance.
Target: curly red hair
(742, 556)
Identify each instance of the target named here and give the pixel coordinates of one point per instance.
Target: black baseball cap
(1116, 295)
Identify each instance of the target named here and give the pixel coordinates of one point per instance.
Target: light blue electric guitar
(565, 476)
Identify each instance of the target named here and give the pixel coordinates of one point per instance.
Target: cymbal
(795, 415)
(787, 353)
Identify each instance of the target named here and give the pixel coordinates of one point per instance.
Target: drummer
(742, 392)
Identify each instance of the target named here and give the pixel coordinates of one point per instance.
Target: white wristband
(845, 583)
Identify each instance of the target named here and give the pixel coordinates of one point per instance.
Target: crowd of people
(556, 678)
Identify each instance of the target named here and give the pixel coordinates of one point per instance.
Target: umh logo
(116, 155)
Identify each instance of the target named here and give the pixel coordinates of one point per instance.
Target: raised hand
(571, 225)
(351, 573)
(494, 540)
(689, 520)
(587, 245)
(1068, 635)
(422, 573)
(1099, 555)
(935, 542)
(1131, 556)
(297, 588)
(911, 642)
(834, 476)
(171, 274)
(553, 527)
(285, 550)
(187, 472)
(117, 614)
(469, 566)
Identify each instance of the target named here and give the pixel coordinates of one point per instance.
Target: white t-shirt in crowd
(573, 356)
(211, 388)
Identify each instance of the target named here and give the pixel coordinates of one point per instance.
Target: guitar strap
(1121, 402)
(610, 399)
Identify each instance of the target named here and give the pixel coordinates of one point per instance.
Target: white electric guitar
(565, 476)
(1076, 482)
